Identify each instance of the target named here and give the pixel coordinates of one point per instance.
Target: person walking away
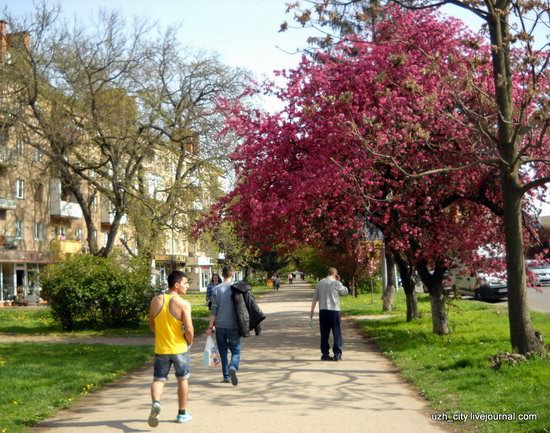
(214, 281)
(224, 318)
(168, 314)
(277, 282)
(327, 293)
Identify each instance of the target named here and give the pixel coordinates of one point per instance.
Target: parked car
(481, 285)
(540, 272)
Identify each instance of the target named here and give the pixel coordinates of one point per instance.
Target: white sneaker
(154, 415)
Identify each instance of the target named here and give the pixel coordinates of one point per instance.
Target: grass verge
(454, 372)
(38, 320)
(36, 381)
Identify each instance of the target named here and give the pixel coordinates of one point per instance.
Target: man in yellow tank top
(170, 321)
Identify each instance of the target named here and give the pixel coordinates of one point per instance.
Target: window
(37, 155)
(37, 231)
(105, 239)
(60, 232)
(19, 146)
(20, 188)
(78, 234)
(4, 137)
(19, 229)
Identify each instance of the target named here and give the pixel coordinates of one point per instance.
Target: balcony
(7, 157)
(199, 260)
(61, 208)
(108, 217)
(7, 203)
(65, 209)
(63, 247)
(8, 242)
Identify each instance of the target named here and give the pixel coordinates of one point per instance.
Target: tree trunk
(406, 271)
(112, 234)
(434, 283)
(522, 335)
(353, 288)
(389, 290)
(88, 219)
(440, 323)
(412, 304)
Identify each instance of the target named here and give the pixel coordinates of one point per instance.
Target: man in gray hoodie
(224, 317)
(327, 293)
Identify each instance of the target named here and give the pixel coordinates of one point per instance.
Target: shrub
(94, 292)
(373, 284)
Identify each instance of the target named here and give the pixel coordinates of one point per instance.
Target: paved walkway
(284, 387)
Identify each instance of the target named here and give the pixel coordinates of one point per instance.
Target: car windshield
(540, 266)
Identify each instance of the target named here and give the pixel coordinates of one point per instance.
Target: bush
(373, 284)
(94, 292)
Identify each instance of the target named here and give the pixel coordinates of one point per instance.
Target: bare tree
(110, 106)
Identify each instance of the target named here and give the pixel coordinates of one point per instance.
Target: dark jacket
(249, 315)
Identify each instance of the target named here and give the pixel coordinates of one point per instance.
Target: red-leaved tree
(377, 133)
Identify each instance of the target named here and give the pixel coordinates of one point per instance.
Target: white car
(481, 285)
(540, 271)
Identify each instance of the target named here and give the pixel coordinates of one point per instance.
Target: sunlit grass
(36, 382)
(454, 372)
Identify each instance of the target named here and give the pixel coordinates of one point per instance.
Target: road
(539, 299)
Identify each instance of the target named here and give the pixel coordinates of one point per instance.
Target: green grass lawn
(34, 378)
(36, 382)
(454, 372)
(38, 320)
(30, 320)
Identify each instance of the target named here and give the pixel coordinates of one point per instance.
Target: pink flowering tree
(363, 127)
(513, 117)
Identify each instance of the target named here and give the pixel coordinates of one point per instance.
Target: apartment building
(41, 221)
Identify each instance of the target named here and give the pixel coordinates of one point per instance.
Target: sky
(245, 33)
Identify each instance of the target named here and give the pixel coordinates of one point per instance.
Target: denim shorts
(164, 362)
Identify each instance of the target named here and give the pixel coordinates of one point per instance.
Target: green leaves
(94, 292)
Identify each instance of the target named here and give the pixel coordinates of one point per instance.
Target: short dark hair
(228, 271)
(174, 277)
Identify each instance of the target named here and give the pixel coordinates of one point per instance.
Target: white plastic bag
(211, 357)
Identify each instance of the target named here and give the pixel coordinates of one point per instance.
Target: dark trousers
(330, 321)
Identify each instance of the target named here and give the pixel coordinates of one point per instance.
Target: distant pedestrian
(276, 282)
(224, 317)
(327, 293)
(170, 321)
(214, 281)
(290, 278)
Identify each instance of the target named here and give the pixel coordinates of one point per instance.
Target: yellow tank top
(168, 331)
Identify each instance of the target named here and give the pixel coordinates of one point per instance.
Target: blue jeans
(329, 320)
(228, 338)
